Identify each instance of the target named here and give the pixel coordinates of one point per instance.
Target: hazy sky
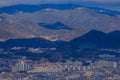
(111, 4)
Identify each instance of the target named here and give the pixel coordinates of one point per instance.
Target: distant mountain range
(91, 40)
(55, 21)
(33, 8)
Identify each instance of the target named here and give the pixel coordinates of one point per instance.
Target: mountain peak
(98, 39)
(95, 34)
